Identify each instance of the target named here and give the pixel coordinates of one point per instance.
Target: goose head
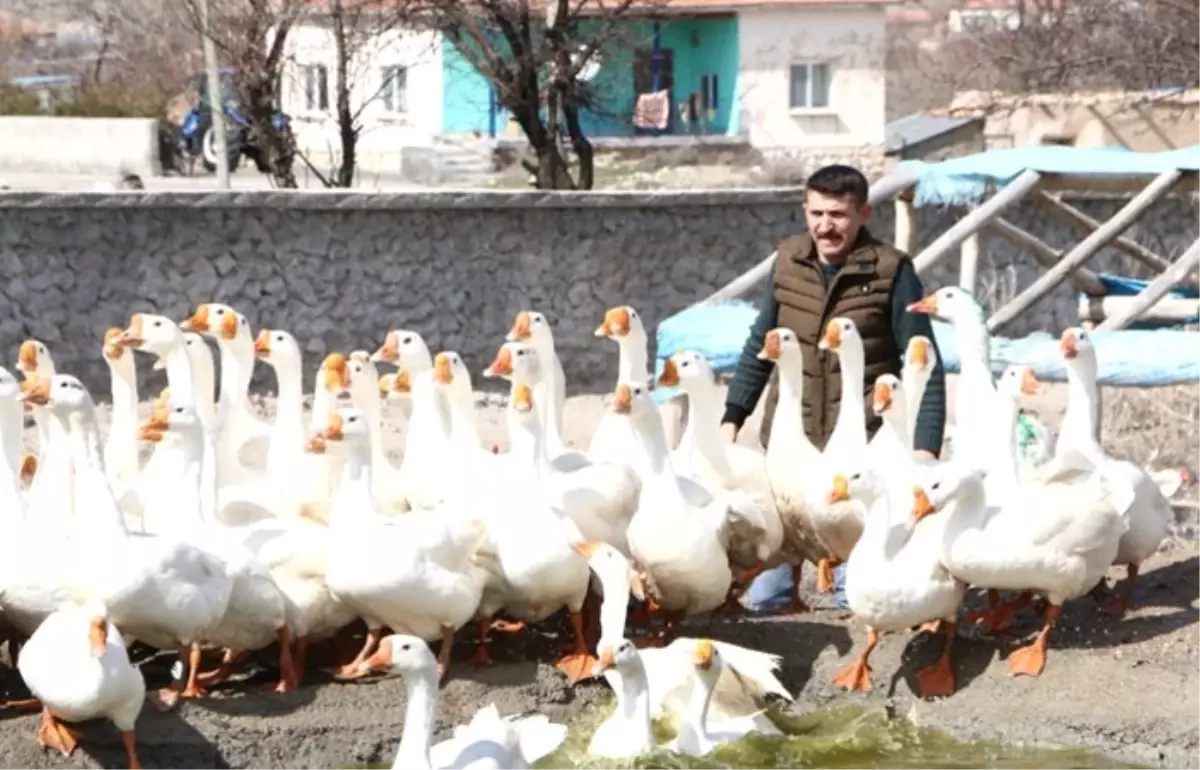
(944, 485)
(920, 355)
(276, 347)
(611, 566)
(220, 322)
(402, 654)
(685, 369)
(33, 359)
(450, 371)
(515, 361)
(621, 323)
(621, 655)
(347, 425)
(706, 662)
(888, 394)
(364, 377)
(1017, 381)
(530, 326)
(860, 485)
(182, 421)
(634, 401)
(781, 346)
(1075, 346)
(952, 304)
(153, 334)
(405, 349)
(62, 394)
(840, 333)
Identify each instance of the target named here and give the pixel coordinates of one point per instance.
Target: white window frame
(314, 88)
(393, 90)
(807, 108)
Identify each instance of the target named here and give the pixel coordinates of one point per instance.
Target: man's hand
(925, 454)
(729, 431)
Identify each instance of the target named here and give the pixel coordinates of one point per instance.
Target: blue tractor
(197, 138)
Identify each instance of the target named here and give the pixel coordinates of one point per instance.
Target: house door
(646, 63)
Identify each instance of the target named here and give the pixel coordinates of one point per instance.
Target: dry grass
(1154, 427)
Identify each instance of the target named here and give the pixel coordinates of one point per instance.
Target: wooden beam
(968, 262)
(890, 186)
(906, 227)
(1086, 249)
(1005, 197)
(1169, 311)
(1157, 289)
(1065, 212)
(1083, 279)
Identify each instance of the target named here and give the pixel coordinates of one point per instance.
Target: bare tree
(534, 54)
(251, 37)
(1051, 46)
(358, 32)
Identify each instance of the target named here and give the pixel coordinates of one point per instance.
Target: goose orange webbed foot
(165, 699)
(577, 666)
(856, 677)
(55, 735)
(508, 626)
(24, 704)
(1115, 607)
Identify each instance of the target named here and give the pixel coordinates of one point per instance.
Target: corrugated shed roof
(920, 127)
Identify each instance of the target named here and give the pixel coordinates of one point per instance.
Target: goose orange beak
(882, 398)
(772, 348)
(390, 351)
(333, 431)
(442, 373)
(670, 374)
(98, 635)
(1068, 345)
(262, 343)
(27, 357)
(832, 340)
(840, 491)
(502, 366)
(521, 328)
(132, 336)
(229, 326)
(585, 548)
(198, 321)
(704, 654)
(522, 397)
(927, 305)
(337, 373)
(112, 344)
(918, 352)
(622, 399)
(382, 659)
(922, 506)
(1029, 383)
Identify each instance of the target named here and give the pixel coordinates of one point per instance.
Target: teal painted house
(693, 61)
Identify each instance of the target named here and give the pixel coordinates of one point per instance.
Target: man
(835, 269)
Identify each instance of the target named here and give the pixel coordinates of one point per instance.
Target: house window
(393, 88)
(315, 78)
(809, 86)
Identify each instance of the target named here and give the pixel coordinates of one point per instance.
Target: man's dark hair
(838, 181)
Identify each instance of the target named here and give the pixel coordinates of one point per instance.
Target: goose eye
(220, 311)
(633, 314)
(157, 324)
(685, 364)
(279, 338)
(406, 647)
(407, 341)
(936, 486)
(179, 410)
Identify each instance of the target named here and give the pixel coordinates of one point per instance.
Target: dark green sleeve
(752, 372)
(931, 418)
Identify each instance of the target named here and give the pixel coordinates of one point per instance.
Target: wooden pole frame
(1068, 214)
(968, 262)
(1083, 279)
(985, 212)
(1157, 289)
(1086, 249)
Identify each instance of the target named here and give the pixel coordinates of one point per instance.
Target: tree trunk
(347, 132)
(277, 146)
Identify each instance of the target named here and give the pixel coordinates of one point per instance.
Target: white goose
(159, 589)
(387, 481)
(920, 358)
(1057, 537)
(121, 459)
(894, 579)
(612, 440)
(53, 468)
(1150, 516)
(77, 666)
(488, 741)
(532, 327)
(419, 572)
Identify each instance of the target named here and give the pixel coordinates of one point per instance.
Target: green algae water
(841, 738)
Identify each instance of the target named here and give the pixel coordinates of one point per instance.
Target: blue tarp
(964, 180)
(1126, 358)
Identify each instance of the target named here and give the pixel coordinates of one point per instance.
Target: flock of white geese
(236, 534)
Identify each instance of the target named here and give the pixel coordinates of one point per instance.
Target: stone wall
(340, 269)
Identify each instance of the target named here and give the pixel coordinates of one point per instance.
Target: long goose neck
(192, 480)
(1079, 422)
(352, 503)
(964, 510)
(124, 388)
(90, 487)
(235, 375)
(895, 419)
(656, 456)
(852, 418)
(1004, 463)
(695, 715)
(11, 426)
(787, 424)
(633, 359)
(290, 401)
(702, 433)
(974, 345)
(914, 381)
(180, 378)
(420, 714)
(633, 700)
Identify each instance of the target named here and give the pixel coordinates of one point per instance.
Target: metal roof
(920, 127)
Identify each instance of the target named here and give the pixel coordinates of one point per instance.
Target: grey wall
(340, 269)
